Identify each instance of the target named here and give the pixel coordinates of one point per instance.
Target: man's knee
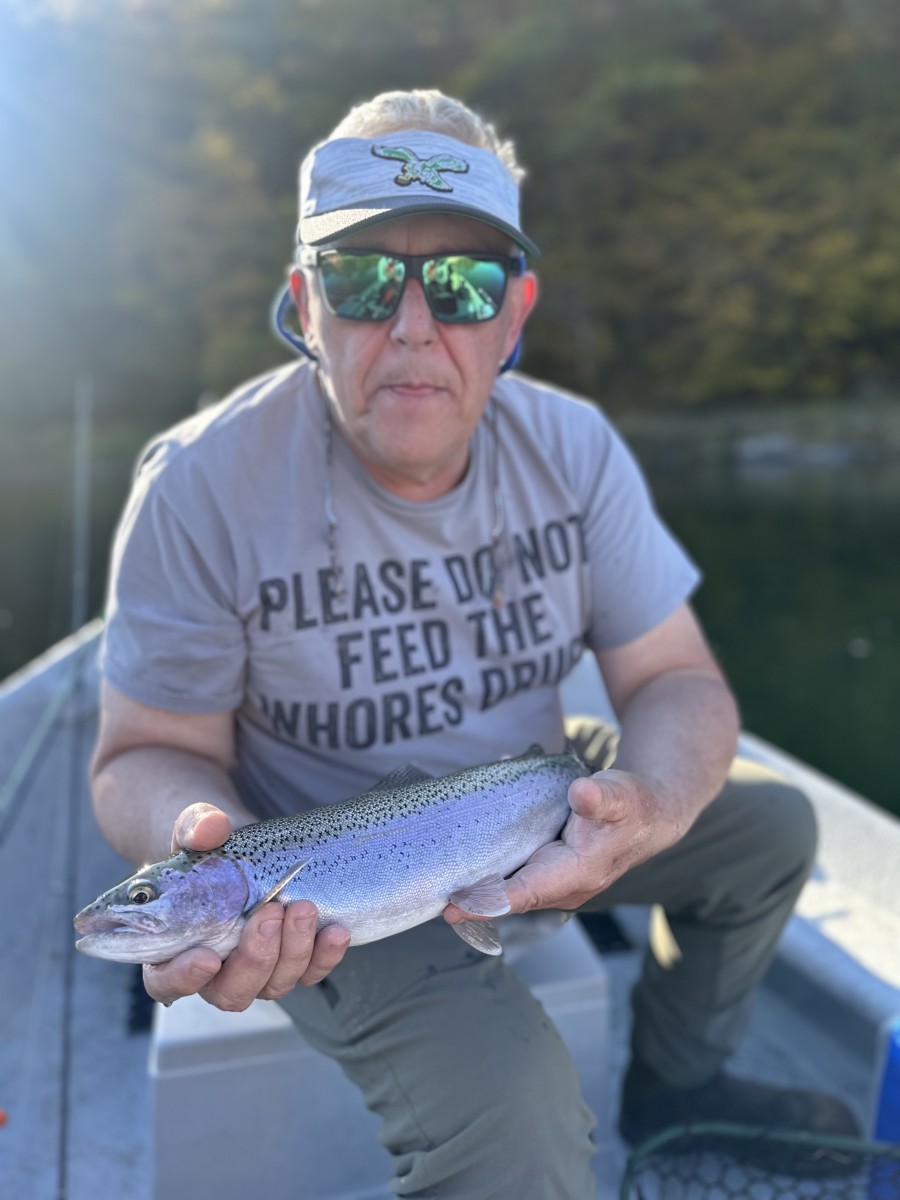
(754, 845)
(777, 822)
(527, 1133)
(477, 1092)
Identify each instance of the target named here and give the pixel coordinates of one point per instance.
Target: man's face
(409, 391)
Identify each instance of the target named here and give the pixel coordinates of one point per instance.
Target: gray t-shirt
(223, 595)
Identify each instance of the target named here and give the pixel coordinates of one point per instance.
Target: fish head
(187, 900)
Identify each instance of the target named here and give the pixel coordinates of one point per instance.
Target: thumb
(598, 797)
(200, 827)
(610, 796)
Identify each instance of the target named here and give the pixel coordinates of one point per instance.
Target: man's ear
(300, 295)
(532, 291)
(522, 298)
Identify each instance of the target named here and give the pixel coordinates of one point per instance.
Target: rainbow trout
(380, 863)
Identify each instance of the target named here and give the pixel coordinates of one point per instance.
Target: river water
(801, 601)
(801, 597)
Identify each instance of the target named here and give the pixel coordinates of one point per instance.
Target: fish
(378, 864)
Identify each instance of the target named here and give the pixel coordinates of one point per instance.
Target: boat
(89, 1068)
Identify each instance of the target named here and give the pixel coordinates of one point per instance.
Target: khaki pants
(478, 1094)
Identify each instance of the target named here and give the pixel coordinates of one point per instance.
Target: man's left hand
(617, 822)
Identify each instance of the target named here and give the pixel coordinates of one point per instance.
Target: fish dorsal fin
(481, 935)
(534, 751)
(403, 777)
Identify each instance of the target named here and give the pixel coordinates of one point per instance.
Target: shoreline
(807, 434)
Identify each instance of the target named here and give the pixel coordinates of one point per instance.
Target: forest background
(715, 185)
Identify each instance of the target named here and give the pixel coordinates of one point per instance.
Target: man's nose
(413, 323)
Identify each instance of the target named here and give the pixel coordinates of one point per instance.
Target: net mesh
(733, 1162)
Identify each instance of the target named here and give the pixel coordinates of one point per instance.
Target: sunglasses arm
(282, 306)
(281, 309)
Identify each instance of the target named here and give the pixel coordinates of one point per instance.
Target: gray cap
(350, 183)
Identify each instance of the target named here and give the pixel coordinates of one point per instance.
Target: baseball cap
(351, 183)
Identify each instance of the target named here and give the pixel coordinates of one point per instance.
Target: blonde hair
(391, 112)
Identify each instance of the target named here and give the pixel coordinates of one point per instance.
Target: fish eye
(141, 892)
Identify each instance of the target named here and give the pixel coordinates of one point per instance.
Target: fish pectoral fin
(272, 893)
(487, 897)
(481, 935)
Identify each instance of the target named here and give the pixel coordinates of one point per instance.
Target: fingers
(200, 827)
(545, 881)
(249, 966)
(297, 940)
(540, 883)
(304, 957)
(453, 914)
(278, 949)
(185, 975)
(557, 884)
(328, 951)
(558, 875)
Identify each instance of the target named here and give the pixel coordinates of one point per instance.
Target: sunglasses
(363, 285)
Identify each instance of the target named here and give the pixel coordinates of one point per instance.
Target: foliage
(715, 183)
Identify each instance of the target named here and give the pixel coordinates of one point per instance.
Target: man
(392, 553)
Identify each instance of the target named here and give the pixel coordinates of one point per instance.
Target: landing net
(717, 1161)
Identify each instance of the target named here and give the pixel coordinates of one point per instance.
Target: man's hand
(617, 822)
(278, 947)
(679, 727)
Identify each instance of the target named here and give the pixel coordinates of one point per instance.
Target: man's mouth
(411, 387)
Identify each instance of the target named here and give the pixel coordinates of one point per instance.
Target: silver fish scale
(389, 859)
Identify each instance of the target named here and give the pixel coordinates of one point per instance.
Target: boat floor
(75, 1104)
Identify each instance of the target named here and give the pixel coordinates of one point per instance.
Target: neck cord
(495, 587)
(337, 572)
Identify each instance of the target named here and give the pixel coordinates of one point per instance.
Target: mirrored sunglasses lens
(364, 287)
(462, 290)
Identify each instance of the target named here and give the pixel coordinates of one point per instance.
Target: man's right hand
(278, 948)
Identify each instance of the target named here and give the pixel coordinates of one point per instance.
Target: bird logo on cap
(423, 170)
